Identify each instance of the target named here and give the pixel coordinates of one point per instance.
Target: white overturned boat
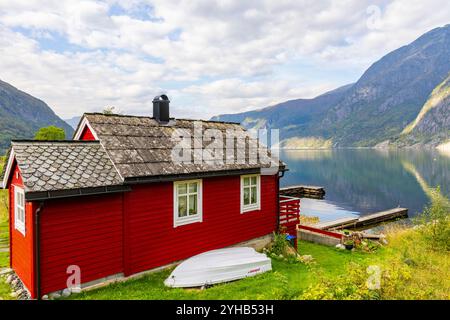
(218, 266)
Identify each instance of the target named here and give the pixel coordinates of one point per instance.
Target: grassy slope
(286, 281)
(437, 96)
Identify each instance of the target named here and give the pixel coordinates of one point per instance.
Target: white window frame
(253, 206)
(180, 221)
(19, 218)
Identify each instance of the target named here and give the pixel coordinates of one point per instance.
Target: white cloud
(211, 56)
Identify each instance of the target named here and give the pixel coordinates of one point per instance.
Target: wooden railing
(289, 214)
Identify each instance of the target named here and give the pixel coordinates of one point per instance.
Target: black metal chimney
(161, 108)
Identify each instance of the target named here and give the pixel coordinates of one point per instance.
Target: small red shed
(113, 202)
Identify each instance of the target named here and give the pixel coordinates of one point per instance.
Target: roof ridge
(149, 117)
(56, 141)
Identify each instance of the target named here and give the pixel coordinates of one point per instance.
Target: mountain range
(21, 115)
(401, 100)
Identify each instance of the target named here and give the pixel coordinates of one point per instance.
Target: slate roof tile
(141, 147)
(62, 165)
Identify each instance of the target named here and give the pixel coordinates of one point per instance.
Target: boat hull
(218, 266)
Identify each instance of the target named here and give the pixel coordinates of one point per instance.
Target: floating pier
(302, 191)
(364, 221)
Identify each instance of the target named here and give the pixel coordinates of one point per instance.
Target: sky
(209, 56)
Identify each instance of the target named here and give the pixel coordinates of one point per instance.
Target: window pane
(246, 181)
(253, 199)
(182, 188)
(193, 187)
(192, 205)
(182, 206)
(246, 196)
(253, 181)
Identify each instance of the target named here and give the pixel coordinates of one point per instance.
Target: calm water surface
(361, 181)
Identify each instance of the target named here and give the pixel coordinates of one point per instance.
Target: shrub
(361, 283)
(279, 244)
(434, 222)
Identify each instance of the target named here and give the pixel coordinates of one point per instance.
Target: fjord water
(362, 181)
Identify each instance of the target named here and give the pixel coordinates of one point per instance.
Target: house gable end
(8, 171)
(85, 131)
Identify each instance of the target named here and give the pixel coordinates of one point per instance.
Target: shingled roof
(64, 165)
(141, 146)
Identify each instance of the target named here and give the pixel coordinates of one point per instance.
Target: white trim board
(84, 123)
(8, 169)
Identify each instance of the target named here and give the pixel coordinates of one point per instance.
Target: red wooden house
(114, 203)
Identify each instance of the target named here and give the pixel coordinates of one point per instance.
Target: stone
(55, 295)
(75, 290)
(65, 293)
(14, 282)
(6, 271)
(340, 246)
(19, 292)
(9, 279)
(44, 297)
(13, 294)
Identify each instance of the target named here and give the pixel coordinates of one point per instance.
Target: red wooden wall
(22, 247)
(86, 232)
(152, 241)
(103, 239)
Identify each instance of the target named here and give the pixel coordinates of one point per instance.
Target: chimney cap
(161, 97)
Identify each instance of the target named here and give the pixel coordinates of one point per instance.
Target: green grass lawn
(287, 280)
(4, 239)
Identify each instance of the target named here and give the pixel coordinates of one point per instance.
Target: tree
(50, 133)
(110, 110)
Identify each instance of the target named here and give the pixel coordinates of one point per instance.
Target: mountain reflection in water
(361, 181)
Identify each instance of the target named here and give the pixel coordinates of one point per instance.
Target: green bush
(434, 223)
(355, 284)
(279, 244)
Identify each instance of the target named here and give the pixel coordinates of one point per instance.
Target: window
(19, 210)
(187, 202)
(250, 193)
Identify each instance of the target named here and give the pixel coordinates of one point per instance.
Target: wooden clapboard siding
(87, 232)
(133, 231)
(22, 247)
(151, 239)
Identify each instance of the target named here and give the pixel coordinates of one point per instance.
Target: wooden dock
(302, 191)
(364, 221)
(335, 224)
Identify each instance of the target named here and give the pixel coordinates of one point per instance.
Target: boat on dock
(218, 266)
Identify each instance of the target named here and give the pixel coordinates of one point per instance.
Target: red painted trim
(328, 233)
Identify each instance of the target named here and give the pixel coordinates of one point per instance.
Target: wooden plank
(365, 220)
(335, 223)
(303, 191)
(383, 215)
